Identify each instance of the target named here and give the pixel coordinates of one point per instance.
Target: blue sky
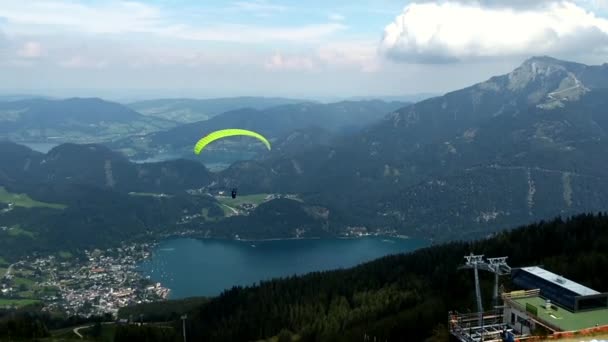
(313, 48)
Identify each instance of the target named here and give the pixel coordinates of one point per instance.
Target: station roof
(568, 284)
(565, 319)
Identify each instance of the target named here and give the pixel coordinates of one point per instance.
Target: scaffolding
(467, 327)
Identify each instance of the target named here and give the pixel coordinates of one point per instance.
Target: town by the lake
(94, 283)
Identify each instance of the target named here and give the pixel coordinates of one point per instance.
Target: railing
(521, 294)
(466, 327)
(577, 334)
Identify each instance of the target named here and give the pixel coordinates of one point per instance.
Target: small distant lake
(214, 160)
(43, 147)
(160, 157)
(191, 267)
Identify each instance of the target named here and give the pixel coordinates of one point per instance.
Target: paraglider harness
(233, 193)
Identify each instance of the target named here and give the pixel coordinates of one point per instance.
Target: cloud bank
(30, 50)
(458, 31)
(117, 18)
(280, 62)
(356, 55)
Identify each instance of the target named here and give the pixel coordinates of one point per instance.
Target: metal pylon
(498, 266)
(474, 261)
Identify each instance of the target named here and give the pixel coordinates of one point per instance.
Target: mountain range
(72, 120)
(192, 110)
(274, 123)
(99, 198)
(517, 147)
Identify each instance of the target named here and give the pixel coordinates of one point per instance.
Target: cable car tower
(498, 266)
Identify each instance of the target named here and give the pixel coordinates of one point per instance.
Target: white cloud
(111, 17)
(513, 4)
(595, 4)
(359, 55)
(356, 56)
(191, 58)
(453, 31)
(30, 50)
(336, 17)
(258, 7)
(83, 62)
(119, 17)
(252, 34)
(280, 62)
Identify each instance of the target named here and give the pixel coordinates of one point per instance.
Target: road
(231, 208)
(8, 270)
(77, 329)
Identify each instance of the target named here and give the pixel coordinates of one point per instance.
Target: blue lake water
(191, 267)
(43, 147)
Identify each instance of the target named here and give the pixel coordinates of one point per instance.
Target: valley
(79, 222)
(463, 165)
(303, 171)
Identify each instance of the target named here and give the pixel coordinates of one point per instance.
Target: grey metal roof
(577, 288)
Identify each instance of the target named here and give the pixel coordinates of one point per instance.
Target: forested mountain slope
(515, 148)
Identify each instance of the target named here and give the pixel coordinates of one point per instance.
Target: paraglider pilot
(233, 193)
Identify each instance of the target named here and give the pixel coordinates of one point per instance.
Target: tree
(440, 334)
(284, 336)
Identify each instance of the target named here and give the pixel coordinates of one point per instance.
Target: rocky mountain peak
(542, 72)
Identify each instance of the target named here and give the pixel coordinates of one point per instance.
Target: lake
(191, 267)
(43, 147)
(213, 160)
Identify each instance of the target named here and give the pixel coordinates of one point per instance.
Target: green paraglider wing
(200, 145)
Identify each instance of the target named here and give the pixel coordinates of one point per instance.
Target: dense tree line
(23, 326)
(97, 218)
(130, 333)
(30, 323)
(161, 311)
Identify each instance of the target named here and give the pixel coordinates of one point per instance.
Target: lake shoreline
(402, 237)
(221, 263)
(277, 239)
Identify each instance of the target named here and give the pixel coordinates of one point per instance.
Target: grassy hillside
(23, 200)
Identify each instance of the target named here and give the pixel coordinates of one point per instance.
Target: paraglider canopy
(211, 137)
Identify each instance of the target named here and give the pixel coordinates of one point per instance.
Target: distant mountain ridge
(185, 110)
(273, 123)
(399, 98)
(18, 97)
(72, 120)
(98, 166)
